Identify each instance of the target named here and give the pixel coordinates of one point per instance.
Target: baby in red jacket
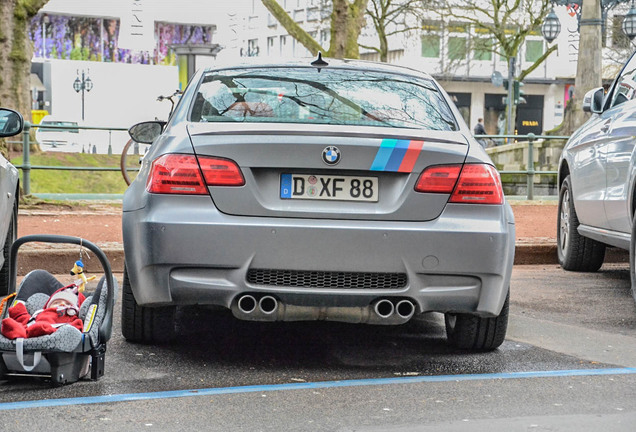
(60, 309)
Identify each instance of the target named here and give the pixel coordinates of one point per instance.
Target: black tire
(632, 258)
(12, 232)
(148, 325)
(123, 164)
(575, 252)
(471, 332)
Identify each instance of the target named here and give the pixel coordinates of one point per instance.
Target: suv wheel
(5, 289)
(632, 258)
(467, 331)
(575, 252)
(145, 324)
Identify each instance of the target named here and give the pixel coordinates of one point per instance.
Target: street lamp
(629, 23)
(85, 84)
(551, 25)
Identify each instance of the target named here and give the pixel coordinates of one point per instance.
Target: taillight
(181, 174)
(221, 172)
(176, 174)
(477, 183)
(438, 179)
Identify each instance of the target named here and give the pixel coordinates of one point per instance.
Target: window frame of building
(431, 39)
(482, 48)
(457, 41)
(534, 54)
(271, 41)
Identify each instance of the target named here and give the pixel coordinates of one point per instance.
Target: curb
(546, 253)
(60, 261)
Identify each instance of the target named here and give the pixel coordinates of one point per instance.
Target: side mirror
(593, 100)
(146, 132)
(11, 123)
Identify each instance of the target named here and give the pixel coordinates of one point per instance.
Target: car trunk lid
(328, 172)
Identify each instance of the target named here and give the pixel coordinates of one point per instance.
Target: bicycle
(123, 163)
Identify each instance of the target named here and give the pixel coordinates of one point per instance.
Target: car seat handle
(19, 354)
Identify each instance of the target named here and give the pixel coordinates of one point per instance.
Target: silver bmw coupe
(317, 190)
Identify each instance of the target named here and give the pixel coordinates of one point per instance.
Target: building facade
(456, 53)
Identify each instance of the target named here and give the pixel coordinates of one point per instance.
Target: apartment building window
(299, 15)
(286, 46)
(431, 38)
(534, 50)
(457, 41)
(313, 14)
(252, 48)
(482, 48)
(271, 20)
(271, 41)
(325, 36)
(430, 45)
(457, 48)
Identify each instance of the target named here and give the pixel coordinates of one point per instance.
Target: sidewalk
(101, 224)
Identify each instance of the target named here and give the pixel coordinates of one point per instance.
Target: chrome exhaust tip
(268, 305)
(405, 309)
(247, 304)
(384, 308)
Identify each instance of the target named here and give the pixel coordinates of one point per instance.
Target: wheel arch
(564, 171)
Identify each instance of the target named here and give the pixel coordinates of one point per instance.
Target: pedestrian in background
(480, 130)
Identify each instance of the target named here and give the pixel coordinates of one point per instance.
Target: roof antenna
(319, 62)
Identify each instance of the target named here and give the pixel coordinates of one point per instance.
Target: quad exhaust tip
(247, 304)
(269, 308)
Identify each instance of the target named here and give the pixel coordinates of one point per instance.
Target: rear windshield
(325, 96)
(59, 123)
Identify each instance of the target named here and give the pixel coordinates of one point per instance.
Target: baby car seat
(68, 354)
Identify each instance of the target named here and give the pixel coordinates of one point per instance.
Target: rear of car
(348, 192)
(55, 134)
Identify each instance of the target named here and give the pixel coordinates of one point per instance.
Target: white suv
(57, 138)
(597, 179)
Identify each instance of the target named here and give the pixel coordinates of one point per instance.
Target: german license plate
(328, 187)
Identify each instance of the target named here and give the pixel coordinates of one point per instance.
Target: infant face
(60, 302)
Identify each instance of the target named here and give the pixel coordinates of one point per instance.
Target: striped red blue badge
(397, 155)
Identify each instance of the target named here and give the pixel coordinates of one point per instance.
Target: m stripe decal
(397, 155)
(415, 147)
(383, 155)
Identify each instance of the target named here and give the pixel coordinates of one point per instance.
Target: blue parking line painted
(129, 397)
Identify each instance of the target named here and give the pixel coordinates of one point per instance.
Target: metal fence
(26, 166)
(530, 172)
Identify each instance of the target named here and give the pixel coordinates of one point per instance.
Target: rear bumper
(183, 252)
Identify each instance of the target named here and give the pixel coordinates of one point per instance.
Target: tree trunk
(347, 20)
(588, 69)
(16, 51)
(292, 27)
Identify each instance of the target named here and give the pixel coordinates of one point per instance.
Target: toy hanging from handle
(78, 270)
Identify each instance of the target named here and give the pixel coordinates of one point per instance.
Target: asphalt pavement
(566, 365)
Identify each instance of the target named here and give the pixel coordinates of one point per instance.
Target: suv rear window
(59, 123)
(321, 96)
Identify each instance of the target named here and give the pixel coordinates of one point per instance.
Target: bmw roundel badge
(331, 155)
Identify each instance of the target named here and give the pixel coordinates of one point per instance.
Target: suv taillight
(470, 183)
(181, 174)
